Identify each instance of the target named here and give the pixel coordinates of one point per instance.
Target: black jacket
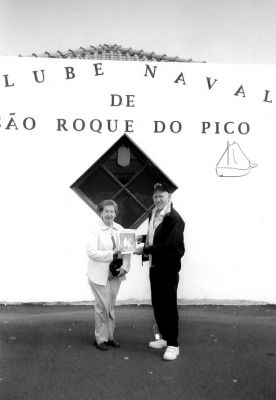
(168, 242)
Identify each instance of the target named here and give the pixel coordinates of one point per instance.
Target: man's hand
(139, 239)
(139, 251)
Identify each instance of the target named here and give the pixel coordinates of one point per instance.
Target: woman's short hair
(106, 203)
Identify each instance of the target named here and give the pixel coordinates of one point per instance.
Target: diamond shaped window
(125, 174)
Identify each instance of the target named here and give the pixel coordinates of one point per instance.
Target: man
(164, 247)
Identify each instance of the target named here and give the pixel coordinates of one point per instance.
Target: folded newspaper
(127, 241)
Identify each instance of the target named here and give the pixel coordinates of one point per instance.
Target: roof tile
(112, 52)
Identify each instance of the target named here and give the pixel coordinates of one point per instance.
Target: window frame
(147, 164)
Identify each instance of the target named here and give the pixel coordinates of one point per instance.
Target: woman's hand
(111, 276)
(122, 272)
(116, 251)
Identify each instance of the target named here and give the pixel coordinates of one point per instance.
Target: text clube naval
(39, 77)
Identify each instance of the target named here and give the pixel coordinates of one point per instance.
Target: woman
(103, 250)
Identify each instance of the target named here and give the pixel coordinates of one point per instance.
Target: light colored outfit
(105, 290)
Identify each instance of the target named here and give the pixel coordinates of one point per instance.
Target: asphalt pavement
(226, 353)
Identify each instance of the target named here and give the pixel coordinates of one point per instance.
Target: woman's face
(108, 215)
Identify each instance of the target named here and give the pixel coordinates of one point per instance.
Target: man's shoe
(158, 344)
(171, 353)
(101, 345)
(112, 343)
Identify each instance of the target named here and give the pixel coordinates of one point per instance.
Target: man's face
(161, 199)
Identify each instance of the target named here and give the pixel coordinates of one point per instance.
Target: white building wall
(230, 222)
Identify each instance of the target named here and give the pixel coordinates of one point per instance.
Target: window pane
(129, 210)
(99, 186)
(123, 174)
(142, 187)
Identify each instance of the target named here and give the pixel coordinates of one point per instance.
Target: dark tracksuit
(167, 250)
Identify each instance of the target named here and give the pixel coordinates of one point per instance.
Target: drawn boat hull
(232, 172)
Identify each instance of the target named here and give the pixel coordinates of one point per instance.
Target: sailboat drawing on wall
(233, 162)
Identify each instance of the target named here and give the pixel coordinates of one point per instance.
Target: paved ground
(227, 353)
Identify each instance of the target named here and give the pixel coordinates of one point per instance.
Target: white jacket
(100, 252)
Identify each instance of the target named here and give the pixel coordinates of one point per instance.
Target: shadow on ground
(226, 353)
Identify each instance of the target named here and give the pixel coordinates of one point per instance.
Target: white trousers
(105, 299)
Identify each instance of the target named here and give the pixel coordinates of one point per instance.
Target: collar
(105, 227)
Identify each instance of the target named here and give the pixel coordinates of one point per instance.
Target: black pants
(164, 301)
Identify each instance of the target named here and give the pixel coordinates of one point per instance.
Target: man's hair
(160, 187)
(106, 203)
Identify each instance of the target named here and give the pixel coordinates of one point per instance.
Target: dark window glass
(123, 174)
(142, 187)
(99, 186)
(129, 210)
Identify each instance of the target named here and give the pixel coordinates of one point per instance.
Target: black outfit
(166, 250)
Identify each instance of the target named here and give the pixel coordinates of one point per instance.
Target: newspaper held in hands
(127, 241)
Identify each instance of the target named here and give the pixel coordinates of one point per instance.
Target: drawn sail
(233, 162)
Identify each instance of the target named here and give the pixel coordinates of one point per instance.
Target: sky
(215, 31)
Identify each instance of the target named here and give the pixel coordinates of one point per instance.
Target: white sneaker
(171, 353)
(158, 344)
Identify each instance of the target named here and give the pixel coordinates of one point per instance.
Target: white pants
(105, 298)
